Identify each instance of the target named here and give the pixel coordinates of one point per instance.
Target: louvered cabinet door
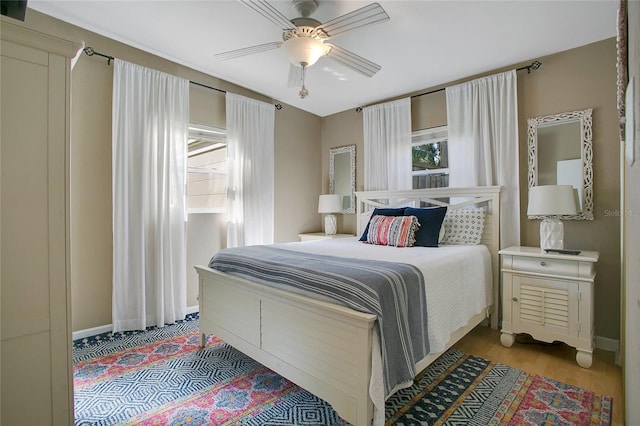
(549, 297)
(547, 309)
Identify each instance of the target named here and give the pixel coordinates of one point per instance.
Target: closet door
(35, 356)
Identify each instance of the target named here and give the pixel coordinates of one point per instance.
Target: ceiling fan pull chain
(303, 90)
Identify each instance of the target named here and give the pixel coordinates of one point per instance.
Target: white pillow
(463, 226)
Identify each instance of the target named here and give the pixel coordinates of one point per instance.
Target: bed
(329, 349)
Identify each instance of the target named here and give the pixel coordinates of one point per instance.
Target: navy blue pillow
(382, 212)
(430, 220)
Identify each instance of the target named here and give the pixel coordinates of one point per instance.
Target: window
(206, 169)
(430, 160)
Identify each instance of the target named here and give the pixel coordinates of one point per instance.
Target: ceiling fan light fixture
(305, 50)
(304, 38)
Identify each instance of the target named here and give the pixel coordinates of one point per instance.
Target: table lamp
(552, 201)
(330, 203)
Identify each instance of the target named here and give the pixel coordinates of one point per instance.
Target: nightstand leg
(584, 358)
(507, 339)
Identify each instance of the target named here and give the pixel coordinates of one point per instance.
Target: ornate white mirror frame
(342, 176)
(586, 154)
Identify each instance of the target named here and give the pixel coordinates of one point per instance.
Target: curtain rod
(90, 52)
(533, 66)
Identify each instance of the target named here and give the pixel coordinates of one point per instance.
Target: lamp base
(551, 234)
(330, 224)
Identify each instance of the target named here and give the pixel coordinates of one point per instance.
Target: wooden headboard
(452, 198)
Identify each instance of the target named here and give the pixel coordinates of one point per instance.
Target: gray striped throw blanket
(394, 292)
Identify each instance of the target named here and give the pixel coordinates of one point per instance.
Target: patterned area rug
(162, 377)
(460, 389)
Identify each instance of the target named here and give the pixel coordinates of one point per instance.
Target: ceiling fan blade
(295, 76)
(367, 15)
(271, 13)
(232, 54)
(353, 61)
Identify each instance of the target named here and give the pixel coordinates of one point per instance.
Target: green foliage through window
(428, 156)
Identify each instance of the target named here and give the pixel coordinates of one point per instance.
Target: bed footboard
(322, 347)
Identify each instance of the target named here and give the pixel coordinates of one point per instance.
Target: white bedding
(458, 278)
(458, 282)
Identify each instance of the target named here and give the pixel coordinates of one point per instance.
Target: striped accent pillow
(397, 231)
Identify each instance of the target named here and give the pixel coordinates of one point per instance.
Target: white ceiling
(424, 44)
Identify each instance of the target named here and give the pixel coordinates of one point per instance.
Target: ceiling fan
(305, 38)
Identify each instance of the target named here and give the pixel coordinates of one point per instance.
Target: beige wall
(576, 79)
(297, 176)
(572, 80)
(342, 129)
(297, 173)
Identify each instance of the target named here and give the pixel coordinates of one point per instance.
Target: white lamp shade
(305, 50)
(330, 203)
(552, 200)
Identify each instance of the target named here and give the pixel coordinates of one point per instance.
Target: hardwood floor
(555, 361)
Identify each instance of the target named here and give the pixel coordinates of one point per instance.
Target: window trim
(430, 131)
(430, 172)
(200, 210)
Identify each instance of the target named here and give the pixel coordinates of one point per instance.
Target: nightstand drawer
(545, 266)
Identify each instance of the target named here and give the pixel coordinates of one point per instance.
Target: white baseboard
(611, 345)
(88, 332)
(81, 334)
(607, 344)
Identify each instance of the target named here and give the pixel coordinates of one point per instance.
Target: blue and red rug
(162, 377)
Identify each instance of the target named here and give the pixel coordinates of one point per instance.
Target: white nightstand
(550, 297)
(321, 236)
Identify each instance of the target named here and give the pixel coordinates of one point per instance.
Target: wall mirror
(561, 153)
(342, 176)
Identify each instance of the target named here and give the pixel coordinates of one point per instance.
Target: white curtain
(387, 146)
(250, 171)
(150, 122)
(482, 118)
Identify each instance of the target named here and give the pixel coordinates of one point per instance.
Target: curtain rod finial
(535, 65)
